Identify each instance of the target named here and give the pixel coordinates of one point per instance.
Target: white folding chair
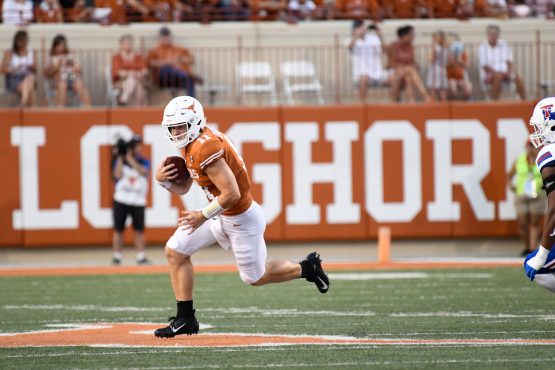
(256, 78)
(111, 92)
(300, 77)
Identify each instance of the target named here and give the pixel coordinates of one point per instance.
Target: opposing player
(540, 264)
(232, 218)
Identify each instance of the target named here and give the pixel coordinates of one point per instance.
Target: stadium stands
(219, 48)
(125, 11)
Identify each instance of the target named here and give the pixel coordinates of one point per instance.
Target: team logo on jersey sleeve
(545, 156)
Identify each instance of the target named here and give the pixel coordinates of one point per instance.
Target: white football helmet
(186, 113)
(543, 121)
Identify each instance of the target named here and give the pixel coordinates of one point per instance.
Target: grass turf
(440, 304)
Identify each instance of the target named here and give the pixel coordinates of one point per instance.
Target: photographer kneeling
(130, 172)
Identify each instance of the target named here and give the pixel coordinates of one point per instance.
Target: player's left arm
(222, 177)
(535, 263)
(548, 237)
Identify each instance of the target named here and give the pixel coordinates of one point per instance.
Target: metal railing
(217, 66)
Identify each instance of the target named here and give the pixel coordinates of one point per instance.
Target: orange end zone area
(122, 270)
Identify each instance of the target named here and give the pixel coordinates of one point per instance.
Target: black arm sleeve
(549, 184)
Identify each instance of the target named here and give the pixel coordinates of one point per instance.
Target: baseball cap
(164, 31)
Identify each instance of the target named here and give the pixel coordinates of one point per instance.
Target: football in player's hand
(179, 164)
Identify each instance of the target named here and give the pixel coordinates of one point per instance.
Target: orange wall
(425, 170)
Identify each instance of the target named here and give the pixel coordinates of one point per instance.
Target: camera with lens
(123, 146)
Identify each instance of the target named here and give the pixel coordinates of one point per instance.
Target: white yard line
(82, 308)
(472, 314)
(399, 275)
(66, 327)
(228, 310)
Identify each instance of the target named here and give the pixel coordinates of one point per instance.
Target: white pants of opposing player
(243, 233)
(546, 281)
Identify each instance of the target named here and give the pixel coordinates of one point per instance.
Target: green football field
(404, 319)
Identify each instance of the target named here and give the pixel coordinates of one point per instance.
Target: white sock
(117, 255)
(140, 256)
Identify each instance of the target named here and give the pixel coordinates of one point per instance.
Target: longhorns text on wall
(320, 173)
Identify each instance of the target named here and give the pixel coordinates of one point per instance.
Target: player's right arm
(223, 178)
(165, 176)
(547, 168)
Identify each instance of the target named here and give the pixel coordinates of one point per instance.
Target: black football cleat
(178, 326)
(312, 264)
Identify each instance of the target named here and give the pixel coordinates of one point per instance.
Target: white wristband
(165, 184)
(542, 252)
(539, 259)
(212, 209)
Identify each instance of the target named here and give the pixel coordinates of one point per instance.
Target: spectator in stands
(129, 74)
(469, 8)
(457, 71)
(366, 46)
(301, 10)
(78, 11)
(402, 8)
(172, 66)
(269, 9)
(478, 8)
(495, 58)
(497, 9)
(327, 9)
(525, 180)
(111, 11)
(49, 11)
(405, 71)
(130, 173)
(162, 10)
(542, 8)
(437, 71)
(190, 10)
(64, 71)
(360, 9)
(17, 12)
(519, 9)
(18, 64)
(442, 8)
(136, 10)
(233, 10)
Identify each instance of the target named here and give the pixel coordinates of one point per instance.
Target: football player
(540, 264)
(231, 218)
